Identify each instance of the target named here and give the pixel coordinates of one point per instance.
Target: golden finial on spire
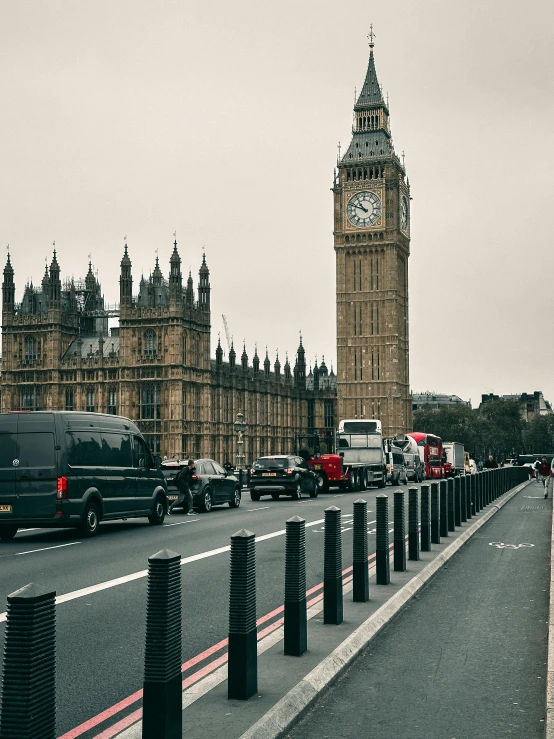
(371, 36)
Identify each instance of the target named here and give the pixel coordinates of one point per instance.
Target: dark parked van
(66, 468)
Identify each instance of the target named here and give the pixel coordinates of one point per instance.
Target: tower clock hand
(365, 210)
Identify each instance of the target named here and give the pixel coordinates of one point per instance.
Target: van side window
(36, 450)
(84, 449)
(142, 458)
(116, 450)
(8, 450)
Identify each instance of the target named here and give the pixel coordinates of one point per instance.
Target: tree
(539, 435)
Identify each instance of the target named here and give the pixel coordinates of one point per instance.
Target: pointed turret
(267, 364)
(157, 276)
(126, 280)
(316, 375)
(45, 280)
(244, 358)
(256, 360)
(300, 367)
(204, 285)
(175, 277)
(277, 365)
(232, 355)
(8, 288)
(219, 353)
(90, 280)
(55, 283)
(189, 292)
(323, 371)
(287, 368)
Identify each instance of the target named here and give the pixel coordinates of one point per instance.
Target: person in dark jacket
(182, 482)
(490, 464)
(545, 472)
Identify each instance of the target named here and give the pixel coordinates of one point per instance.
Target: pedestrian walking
(545, 473)
(491, 463)
(536, 467)
(182, 482)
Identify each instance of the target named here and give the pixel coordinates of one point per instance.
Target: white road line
(180, 523)
(142, 573)
(254, 510)
(45, 549)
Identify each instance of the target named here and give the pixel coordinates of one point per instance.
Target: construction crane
(227, 335)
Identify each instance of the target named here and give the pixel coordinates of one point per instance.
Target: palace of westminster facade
(156, 367)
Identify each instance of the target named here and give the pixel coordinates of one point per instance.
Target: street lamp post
(240, 430)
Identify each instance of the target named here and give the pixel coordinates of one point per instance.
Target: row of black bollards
(27, 697)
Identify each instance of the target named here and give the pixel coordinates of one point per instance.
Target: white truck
(359, 444)
(455, 458)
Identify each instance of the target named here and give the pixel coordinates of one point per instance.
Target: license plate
(5, 509)
(317, 466)
(172, 497)
(269, 474)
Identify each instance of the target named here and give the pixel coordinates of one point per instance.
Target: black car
(282, 475)
(210, 484)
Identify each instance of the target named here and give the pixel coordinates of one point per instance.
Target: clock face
(404, 214)
(364, 209)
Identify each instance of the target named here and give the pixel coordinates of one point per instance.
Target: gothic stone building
(372, 245)
(155, 368)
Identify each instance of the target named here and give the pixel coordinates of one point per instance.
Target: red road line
(132, 718)
(117, 707)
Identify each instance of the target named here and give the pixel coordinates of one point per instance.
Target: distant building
(532, 405)
(434, 401)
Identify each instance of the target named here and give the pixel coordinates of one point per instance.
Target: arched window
(30, 350)
(150, 349)
(91, 400)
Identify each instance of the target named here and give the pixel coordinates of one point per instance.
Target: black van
(66, 468)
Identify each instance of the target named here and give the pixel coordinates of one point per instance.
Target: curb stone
(285, 713)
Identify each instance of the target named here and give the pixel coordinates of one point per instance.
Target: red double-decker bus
(431, 453)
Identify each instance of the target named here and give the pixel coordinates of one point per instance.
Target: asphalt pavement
(466, 659)
(101, 589)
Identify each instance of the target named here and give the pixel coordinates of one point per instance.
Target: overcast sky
(220, 121)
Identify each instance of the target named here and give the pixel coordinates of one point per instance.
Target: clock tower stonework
(372, 246)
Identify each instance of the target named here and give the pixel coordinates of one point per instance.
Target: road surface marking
(45, 549)
(501, 545)
(263, 508)
(143, 573)
(180, 523)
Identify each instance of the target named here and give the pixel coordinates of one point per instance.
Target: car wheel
(275, 496)
(315, 491)
(298, 492)
(90, 522)
(254, 496)
(235, 503)
(322, 483)
(7, 532)
(381, 483)
(157, 516)
(206, 505)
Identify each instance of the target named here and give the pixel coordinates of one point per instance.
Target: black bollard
(435, 514)
(296, 617)
(28, 695)
(443, 508)
(360, 573)
(451, 504)
(413, 524)
(466, 482)
(425, 519)
(382, 557)
(459, 481)
(332, 567)
(479, 491)
(242, 669)
(457, 501)
(399, 533)
(162, 692)
(473, 489)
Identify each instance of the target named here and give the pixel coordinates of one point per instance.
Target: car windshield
(271, 463)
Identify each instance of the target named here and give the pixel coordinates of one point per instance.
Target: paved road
(467, 658)
(101, 633)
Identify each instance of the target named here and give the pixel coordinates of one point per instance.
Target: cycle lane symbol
(501, 545)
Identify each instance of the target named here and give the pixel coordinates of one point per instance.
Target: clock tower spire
(372, 246)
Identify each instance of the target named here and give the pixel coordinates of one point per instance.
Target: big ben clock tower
(372, 246)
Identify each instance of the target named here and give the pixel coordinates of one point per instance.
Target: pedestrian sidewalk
(468, 657)
(287, 686)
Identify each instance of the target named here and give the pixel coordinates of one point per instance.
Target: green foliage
(497, 428)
